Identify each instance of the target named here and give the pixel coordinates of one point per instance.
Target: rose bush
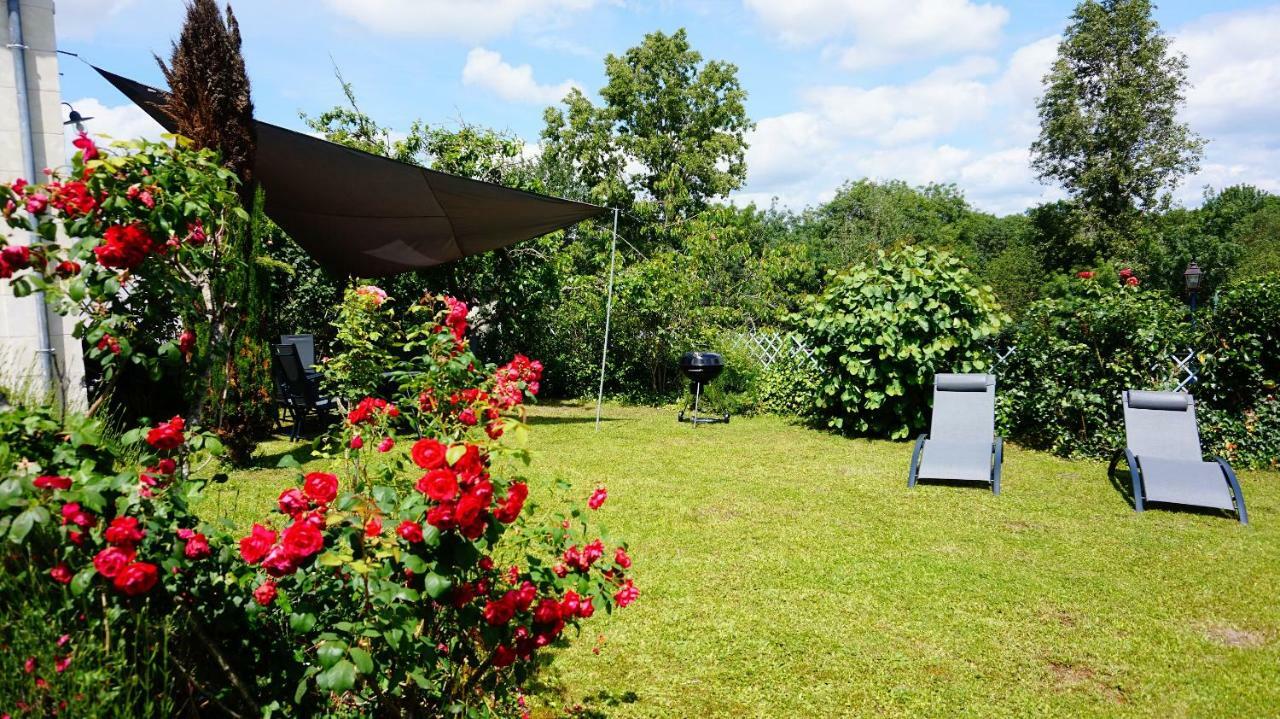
(403, 583)
(146, 226)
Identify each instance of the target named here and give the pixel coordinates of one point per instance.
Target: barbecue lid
(701, 359)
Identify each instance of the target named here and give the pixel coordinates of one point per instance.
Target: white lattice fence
(770, 347)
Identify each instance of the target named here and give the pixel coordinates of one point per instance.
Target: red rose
(621, 559)
(439, 484)
(499, 612)
(255, 546)
(1126, 273)
(124, 532)
(321, 487)
(137, 578)
(111, 560)
(467, 417)
(470, 509)
(373, 527)
(1084, 275)
(510, 508)
(410, 531)
(88, 151)
(292, 502)
(548, 611)
(586, 608)
(124, 246)
(51, 482)
(597, 498)
(61, 573)
(593, 552)
(428, 454)
(265, 593)
(503, 656)
(1131, 281)
(67, 269)
(627, 594)
(187, 342)
(167, 435)
(16, 256)
(302, 539)
(356, 442)
(441, 516)
(166, 466)
(279, 562)
(197, 547)
(73, 514)
(386, 444)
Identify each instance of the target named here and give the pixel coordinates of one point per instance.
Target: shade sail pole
(608, 313)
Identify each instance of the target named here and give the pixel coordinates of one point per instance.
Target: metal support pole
(18, 48)
(608, 314)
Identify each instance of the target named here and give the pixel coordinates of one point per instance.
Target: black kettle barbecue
(701, 368)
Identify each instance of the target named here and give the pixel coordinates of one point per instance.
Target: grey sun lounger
(962, 444)
(1164, 457)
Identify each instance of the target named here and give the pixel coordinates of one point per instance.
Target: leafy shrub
(734, 391)
(883, 329)
(363, 344)
(789, 387)
(1243, 338)
(1076, 352)
(1250, 439)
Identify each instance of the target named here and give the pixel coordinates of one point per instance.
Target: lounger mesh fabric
(362, 215)
(1160, 428)
(962, 428)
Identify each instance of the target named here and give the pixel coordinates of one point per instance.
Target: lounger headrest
(963, 382)
(1169, 401)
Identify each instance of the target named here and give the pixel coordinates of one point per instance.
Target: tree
(671, 130)
(210, 103)
(1109, 131)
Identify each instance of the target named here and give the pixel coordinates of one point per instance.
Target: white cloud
(884, 31)
(486, 68)
(81, 19)
(969, 122)
(1234, 100)
(472, 20)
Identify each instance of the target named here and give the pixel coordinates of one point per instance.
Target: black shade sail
(363, 215)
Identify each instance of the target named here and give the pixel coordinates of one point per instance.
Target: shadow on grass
(965, 483)
(545, 420)
(301, 451)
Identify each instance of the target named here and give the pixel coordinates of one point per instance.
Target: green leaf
(454, 453)
(288, 461)
(363, 660)
(21, 287)
(330, 652)
(338, 678)
(23, 523)
(82, 580)
(435, 585)
(415, 564)
(302, 623)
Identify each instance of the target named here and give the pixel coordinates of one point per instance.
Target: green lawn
(788, 572)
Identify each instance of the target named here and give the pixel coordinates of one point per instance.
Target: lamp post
(75, 119)
(1191, 278)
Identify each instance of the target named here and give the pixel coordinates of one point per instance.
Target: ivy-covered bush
(1248, 439)
(789, 387)
(882, 330)
(1242, 341)
(1097, 335)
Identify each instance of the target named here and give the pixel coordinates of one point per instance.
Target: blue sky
(921, 90)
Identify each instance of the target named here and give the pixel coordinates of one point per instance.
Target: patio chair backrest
(306, 345)
(1161, 424)
(964, 407)
(289, 370)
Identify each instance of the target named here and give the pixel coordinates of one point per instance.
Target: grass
(788, 572)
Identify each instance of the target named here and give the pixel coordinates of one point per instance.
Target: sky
(917, 90)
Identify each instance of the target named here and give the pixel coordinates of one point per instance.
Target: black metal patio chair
(296, 391)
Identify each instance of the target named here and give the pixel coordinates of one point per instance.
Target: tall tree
(1109, 131)
(210, 103)
(209, 89)
(671, 131)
